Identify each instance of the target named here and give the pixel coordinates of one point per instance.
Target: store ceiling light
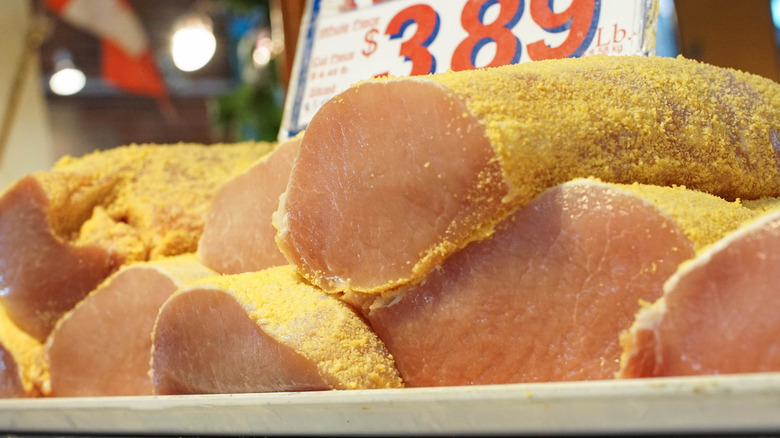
(193, 43)
(66, 79)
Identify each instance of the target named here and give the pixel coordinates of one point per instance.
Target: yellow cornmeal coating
(627, 119)
(26, 352)
(143, 201)
(348, 354)
(763, 205)
(702, 217)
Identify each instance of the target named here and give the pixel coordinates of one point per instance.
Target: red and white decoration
(127, 58)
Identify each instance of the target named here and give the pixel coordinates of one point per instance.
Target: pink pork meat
(103, 346)
(396, 174)
(718, 314)
(262, 332)
(64, 231)
(238, 235)
(546, 297)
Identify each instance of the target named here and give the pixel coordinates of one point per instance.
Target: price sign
(346, 41)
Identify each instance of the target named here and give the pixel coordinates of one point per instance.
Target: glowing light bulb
(193, 45)
(66, 79)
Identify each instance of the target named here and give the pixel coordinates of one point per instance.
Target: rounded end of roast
(391, 177)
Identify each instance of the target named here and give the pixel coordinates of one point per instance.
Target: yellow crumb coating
(627, 119)
(142, 201)
(318, 326)
(702, 217)
(25, 351)
(762, 205)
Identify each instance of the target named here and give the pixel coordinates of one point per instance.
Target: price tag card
(345, 41)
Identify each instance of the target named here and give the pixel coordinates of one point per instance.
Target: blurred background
(211, 71)
(217, 70)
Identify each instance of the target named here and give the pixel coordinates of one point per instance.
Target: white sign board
(346, 41)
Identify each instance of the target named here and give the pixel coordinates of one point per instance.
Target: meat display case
(744, 404)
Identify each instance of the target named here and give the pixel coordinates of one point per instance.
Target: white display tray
(744, 404)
